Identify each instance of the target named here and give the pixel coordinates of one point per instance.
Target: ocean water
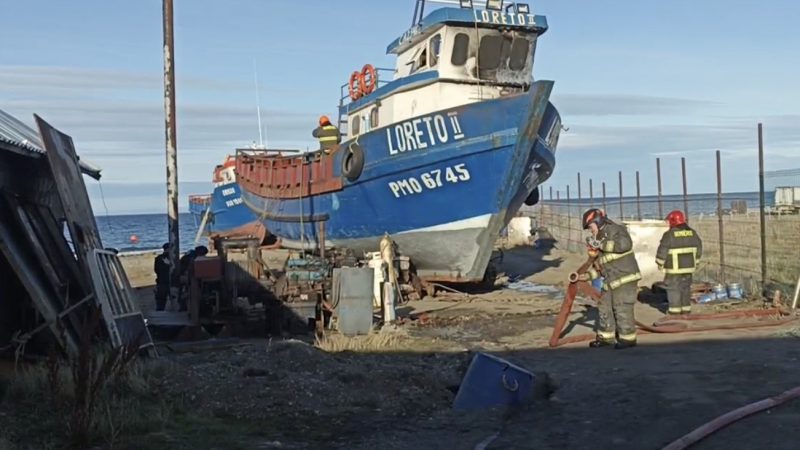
(151, 229)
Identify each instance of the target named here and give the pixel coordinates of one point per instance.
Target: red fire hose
(664, 325)
(726, 419)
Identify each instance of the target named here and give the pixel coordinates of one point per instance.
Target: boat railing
(200, 199)
(278, 152)
(384, 77)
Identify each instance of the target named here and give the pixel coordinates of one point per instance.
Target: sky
(634, 80)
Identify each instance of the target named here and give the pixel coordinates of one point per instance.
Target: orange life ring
(367, 88)
(355, 86)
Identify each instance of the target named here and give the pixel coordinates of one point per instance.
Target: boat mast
(258, 107)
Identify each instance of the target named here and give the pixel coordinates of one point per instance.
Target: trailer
(787, 199)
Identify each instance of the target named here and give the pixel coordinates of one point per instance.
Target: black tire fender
(533, 197)
(353, 162)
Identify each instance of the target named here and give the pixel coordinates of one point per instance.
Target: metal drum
(735, 291)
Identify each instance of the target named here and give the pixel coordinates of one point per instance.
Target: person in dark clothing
(328, 135)
(678, 254)
(186, 272)
(161, 267)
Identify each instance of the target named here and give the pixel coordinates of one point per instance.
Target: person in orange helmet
(328, 135)
(677, 255)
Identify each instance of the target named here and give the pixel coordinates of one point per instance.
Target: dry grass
(374, 342)
(40, 400)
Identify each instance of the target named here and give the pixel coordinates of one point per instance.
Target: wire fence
(749, 238)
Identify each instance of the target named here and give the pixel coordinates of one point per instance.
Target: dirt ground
(394, 389)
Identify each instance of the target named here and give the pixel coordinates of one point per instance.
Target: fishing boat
(440, 155)
(223, 213)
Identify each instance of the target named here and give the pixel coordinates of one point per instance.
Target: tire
(353, 162)
(533, 197)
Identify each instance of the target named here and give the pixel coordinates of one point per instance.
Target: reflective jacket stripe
(332, 137)
(676, 268)
(624, 280)
(607, 258)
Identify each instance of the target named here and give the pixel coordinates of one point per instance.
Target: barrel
(720, 291)
(735, 291)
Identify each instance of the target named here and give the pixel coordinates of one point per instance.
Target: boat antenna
(258, 107)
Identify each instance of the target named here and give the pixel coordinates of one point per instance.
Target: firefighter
(328, 135)
(620, 271)
(678, 254)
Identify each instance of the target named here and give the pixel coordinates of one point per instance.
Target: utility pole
(171, 135)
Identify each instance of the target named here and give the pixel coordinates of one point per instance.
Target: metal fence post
(591, 193)
(579, 189)
(658, 177)
(605, 208)
(569, 221)
(685, 191)
(638, 198)
(621, 212)
(719, 218)
(761, 208)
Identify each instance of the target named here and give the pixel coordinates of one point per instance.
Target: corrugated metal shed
(15, 133)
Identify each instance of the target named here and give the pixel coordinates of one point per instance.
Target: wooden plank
(37, 289)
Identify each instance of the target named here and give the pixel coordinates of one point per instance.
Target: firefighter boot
(599, 342)
(623, 344)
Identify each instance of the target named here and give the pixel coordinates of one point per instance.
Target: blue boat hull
(228, 211)
(442, 186)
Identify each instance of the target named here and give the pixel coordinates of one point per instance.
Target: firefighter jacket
(616, 262)
(328, 136)
(680, 250)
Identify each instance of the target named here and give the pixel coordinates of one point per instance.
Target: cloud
(59, 78)
(625, 105)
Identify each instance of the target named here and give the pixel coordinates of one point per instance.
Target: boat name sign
(227, 192)
(423, 132)
(430, 180)
(498, 18)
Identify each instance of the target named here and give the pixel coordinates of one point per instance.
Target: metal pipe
(638, 198)
(621, 212)
(660, 201)
(322, 239)
(685, 190)
(171, 142)
(719, 218)
(761, 211)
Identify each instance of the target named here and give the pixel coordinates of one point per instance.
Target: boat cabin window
(503, 52)
(460, 49)
(420, 60)
(356, 125)
(373, 118)
(490, 52)
(435, 47)
(519, 54)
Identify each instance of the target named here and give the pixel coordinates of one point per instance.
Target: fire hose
(724, 420)
(663, 325)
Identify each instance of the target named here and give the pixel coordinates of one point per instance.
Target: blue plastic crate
(493, 382)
